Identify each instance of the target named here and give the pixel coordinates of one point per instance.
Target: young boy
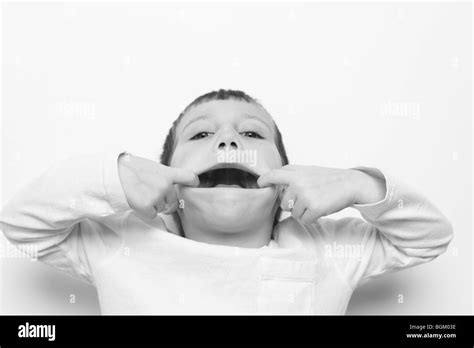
(200, 232)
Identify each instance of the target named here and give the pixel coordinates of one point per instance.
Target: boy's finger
(159, 206)
(274, 177)
(171, 200)
(184, 177)
(310, 216)
(298, 210)
(147, 213)
(287, 202)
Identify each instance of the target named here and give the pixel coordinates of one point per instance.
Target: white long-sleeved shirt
(76, 218)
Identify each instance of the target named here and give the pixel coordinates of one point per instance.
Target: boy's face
(228, 143)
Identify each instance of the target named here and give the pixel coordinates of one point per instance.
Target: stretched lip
(230, 166)
(228, 175)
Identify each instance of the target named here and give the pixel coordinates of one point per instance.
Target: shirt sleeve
(402, 230)
(70, 217)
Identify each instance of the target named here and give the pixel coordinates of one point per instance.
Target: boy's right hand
(148, 185)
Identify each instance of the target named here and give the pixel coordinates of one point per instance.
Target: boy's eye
(200, 135)
(251, 134)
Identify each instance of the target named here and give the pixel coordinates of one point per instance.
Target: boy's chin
(229, 207)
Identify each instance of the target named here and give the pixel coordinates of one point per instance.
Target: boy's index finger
(274, 177)
(184, 177)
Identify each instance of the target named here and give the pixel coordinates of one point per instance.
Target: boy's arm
(69, 217)
(401, 230)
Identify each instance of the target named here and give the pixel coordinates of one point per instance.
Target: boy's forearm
(406, 218)
(69, 191)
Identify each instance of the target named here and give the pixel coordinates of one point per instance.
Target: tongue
(227, 178)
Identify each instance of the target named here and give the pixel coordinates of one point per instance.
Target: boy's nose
(230, 144)
(227, 138)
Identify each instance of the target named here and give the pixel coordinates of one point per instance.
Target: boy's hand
(148, 185)
(311, 192)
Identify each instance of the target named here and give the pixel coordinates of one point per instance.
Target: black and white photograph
(221, 160)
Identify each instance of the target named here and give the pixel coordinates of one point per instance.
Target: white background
(384, 85)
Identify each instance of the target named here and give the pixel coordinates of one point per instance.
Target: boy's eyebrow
(258, 119)
(195, 120)
(207, 116)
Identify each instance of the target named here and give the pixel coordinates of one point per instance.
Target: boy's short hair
(221, 94)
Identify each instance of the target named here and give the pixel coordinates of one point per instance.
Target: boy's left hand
(311, 192)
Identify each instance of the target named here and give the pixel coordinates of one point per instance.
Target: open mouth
(228, 177)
